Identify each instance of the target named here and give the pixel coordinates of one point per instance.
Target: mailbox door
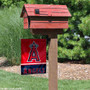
(48, 23)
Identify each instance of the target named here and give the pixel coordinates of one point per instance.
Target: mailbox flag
(33, 56)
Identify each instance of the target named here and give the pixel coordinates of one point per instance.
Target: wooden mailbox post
(47, 20)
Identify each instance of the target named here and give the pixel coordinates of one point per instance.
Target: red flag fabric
(33, 56)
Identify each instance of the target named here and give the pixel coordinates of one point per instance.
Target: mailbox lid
(46, 10)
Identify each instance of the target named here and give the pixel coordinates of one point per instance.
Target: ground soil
(65, 70)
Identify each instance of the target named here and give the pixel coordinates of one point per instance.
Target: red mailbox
(45, 19)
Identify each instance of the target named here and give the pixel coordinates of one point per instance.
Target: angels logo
(33, 55)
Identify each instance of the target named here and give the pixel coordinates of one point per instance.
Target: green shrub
(85, 25)
(11, 31)
(85, 28)
(70, 47)
(12, 3)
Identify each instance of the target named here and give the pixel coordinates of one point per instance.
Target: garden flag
(33, 56)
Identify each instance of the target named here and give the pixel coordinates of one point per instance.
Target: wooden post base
(53, 81)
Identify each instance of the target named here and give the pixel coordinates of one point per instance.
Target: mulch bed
(65, 71)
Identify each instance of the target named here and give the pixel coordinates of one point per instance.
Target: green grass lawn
(27, 82)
